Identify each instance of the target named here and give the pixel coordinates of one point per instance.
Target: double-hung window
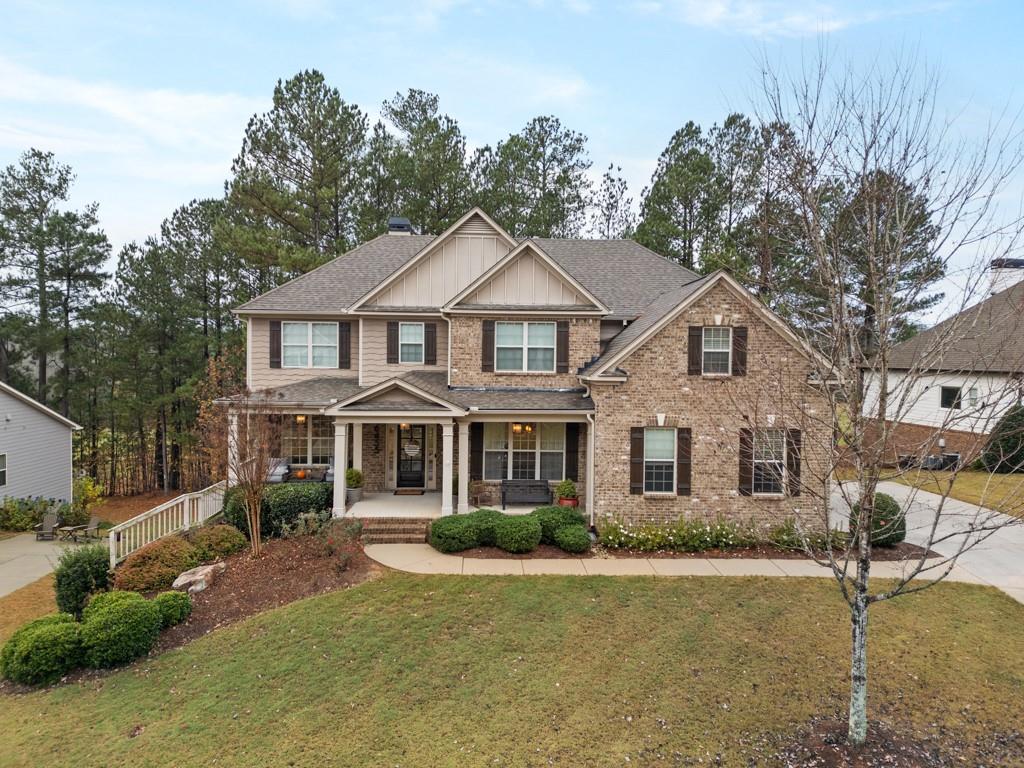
(410, 342)
(769, 462)
(528, 451)
(524, 347)
(717, 350)
(3, 469)
(951, 397)
(309, 345)
(659, 460)
(307, 439)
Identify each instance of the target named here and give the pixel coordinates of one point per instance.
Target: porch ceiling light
(528, 427)
(403, 426)
(300, 418)
(517, 427)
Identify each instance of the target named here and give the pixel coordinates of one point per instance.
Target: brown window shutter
(572, 451)
(487, 347)
(636, 460)
(746, 484)
(794, 445)
(345, 345)
(562, 347)
(695, 350)
(739, 351)
(683, 461)
(430, 343)
(275, 343)
(392, 342)
(476, 451)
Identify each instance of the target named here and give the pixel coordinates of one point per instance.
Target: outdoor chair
(87, 532)
(47, 530)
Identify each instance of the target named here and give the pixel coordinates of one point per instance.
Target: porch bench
(525, 492)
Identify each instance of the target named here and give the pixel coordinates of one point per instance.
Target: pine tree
(612, 216)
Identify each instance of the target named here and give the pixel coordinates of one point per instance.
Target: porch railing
(178, 514)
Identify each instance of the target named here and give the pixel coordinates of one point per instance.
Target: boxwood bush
(517, 533)
(454, 533)
(156, 565)
(281, 507)
(80, 572)
(213, 542)
(573, 538)
(121, 631)
(888, 524)
(43, 650)
(102, 600)
(174, 607)
(553, 518)
(486, 520)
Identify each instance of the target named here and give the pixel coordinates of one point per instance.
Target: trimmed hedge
(486, 520)
(281, 507)
(213, 542)
(43, 650)
(573, 539)
(454, 533)
(174, 607)
(888, 524)
(517, 533)
(103, 600)
(1004, 451)
(80, 572)
(553, 518)
(120, 632)
(156, 565)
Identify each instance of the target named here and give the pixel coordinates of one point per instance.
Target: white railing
(178, 514)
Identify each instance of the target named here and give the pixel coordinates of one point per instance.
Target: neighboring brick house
(450, 363)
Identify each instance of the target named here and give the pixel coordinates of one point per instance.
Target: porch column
(340, 464)
(232, 449)
(447, 446)
(463, 467)
(357, 447)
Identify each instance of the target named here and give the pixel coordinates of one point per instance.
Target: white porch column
(232, 449)
(447, 446)
(463, 467)
(340, 464)
(357, 447)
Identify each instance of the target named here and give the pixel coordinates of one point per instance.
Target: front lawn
(458, 671)
(22, 605)
(1003, 493)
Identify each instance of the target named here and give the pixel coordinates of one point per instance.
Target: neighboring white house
(949, 384)
(35, 448)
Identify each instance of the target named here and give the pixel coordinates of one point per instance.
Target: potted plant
(566, 493)
(353, 485)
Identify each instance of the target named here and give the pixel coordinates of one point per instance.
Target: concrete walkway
(23, 560)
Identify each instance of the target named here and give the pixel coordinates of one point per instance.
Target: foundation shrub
(573, 539)
(517, 533)
(156, 565)
(42, 651)
(553, 518)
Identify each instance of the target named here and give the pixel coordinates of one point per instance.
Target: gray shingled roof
(313, 392)
(502, 398)
(988, 337)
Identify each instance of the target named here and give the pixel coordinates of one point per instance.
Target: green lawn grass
(457, 671)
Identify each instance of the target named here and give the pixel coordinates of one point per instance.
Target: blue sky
(148, 101)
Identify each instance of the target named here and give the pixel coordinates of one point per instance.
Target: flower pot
(568, 502)
(352, 495)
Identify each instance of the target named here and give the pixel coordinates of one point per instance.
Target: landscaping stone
(199, 578)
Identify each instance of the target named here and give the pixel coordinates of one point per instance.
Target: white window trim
(309, 444)
(958, 399)
(509, 451)
(784, 475)
(526, 347)
(309, 343)
(422, 344)
(5, 469)
(675, 461)
(704, 349)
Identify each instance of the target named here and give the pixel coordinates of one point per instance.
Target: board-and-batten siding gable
(449, 267)
(527, 280)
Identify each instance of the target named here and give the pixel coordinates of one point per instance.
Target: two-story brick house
(449, 363)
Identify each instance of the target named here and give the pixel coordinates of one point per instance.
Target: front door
(412, 449)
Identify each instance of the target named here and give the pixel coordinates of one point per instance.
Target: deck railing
(178, 514)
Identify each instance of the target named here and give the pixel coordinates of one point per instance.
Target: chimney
(1005, 273)
(399, 225)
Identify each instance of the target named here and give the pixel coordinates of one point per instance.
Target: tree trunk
(858, 724)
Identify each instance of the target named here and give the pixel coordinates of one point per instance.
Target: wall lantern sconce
(517, 428)
(300, 418)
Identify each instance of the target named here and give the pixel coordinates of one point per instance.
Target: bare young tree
(890, 199)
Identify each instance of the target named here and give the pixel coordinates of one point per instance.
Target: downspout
(360, 351)
(591, 441)
(449, 355)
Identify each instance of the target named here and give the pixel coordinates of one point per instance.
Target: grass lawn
(457, 671)
(1004, 493)
(30, 602)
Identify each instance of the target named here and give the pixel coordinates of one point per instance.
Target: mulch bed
(901, 551)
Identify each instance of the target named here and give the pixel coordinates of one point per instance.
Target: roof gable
(398, 394)
(23, 398)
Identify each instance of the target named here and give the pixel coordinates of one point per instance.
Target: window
(410, 342)
(972, 396)
(307, 439)
(524, 451)
(524, 347)
(305, 342)
(3, 469)
(659, 460)
(321, 439)
(769, 461)
(950, 397)
(717, 350)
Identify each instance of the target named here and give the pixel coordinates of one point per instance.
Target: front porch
(426, 506)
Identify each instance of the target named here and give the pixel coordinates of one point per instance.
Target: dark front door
(412, 447)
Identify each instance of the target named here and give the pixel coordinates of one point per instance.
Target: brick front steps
(394, 530)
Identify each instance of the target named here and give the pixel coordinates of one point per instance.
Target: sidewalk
(422, 558)
(23, 560)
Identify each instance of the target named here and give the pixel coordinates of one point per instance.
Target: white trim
(5, 469)
(525, 347)
(310, 345)
(360, 379)
(500, 311)
(783, 476)
(704, 350)
(510, 451)
(422, 343)
(309, 441)
(37, 405)
(248, 353)
(675, 461)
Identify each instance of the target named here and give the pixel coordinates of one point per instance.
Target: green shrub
(156, 565)
(43, 650)
(566, 489)
(102, 600)
(353, 478)
(454, 533)
(573, 538)
(517, 533)
(282, 504)
(213, 542)
(120, 632)
(306, 524)
(23, 514)
(680, 536)
(1004, 451)
(553, 518)
(888, 524)
(486, 520)
(80, 572)
(785, 535)
(174, 607)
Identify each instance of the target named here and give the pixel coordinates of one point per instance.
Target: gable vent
(475, 226)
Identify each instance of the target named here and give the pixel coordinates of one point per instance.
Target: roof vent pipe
(399, 225)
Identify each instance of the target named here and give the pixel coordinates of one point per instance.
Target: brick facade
(919, 440)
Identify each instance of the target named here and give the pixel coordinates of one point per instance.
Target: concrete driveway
(23, 560)
(997, 561)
